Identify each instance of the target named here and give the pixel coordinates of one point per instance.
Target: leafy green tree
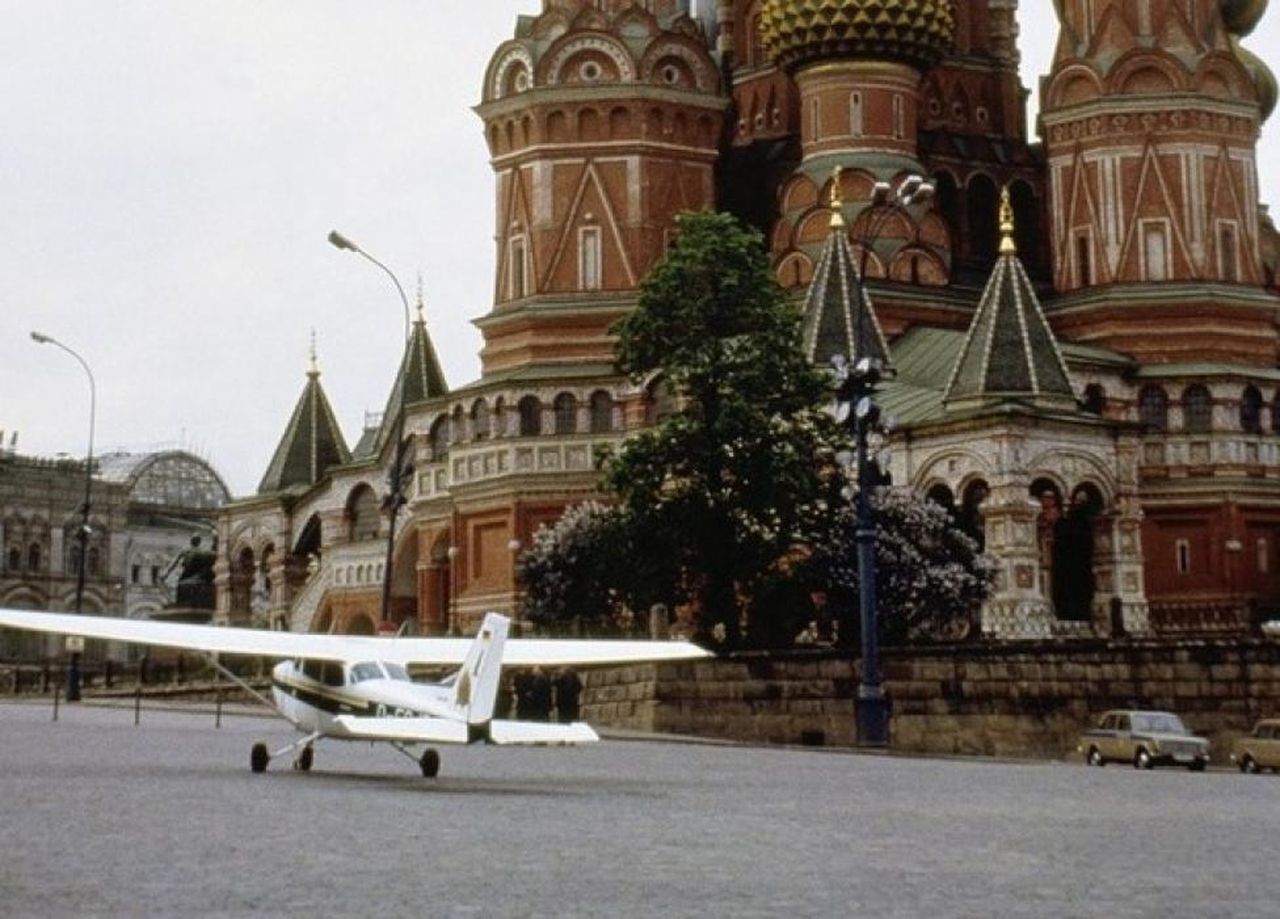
(727, 484)
(721, 499)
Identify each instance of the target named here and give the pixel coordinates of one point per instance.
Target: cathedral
(1080, 322)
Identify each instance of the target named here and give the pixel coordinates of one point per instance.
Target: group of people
(540, 696)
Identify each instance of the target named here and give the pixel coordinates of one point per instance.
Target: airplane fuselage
(312, 694)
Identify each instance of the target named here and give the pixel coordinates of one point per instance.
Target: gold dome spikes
(313, 364)
(799, 32)
(1007, 245)
(837, 201)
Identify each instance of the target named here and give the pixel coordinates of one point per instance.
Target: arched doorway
(242, 571)
(969, 515)
(404, 580)
(1067, 538)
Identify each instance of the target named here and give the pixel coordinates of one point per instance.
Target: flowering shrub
(930, 577)
(567, 573)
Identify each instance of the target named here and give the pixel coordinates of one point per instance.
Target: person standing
(568, 694)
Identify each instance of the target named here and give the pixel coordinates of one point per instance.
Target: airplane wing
(263, 643)
(405, 730)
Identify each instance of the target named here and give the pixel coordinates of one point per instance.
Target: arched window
(658, 402)
(601, 412)
(984, 231)
(1026, 225)
(362, 514)
(1275, 413)
(458, 429)
(1153, 408)
(480, 420)
(95, 561)
(941, 495)
(33, 557)
(970, 515)
(439, 438)
(566, 407)
(1095, 399)
(73, 558)
(15, 559)
(951, 205)
(1251, 410)
(1197, 410)
(530, 416)
(498, 421)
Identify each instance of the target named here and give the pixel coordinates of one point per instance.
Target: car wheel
(1248, 764)
(1094, 757)
(1142, 759)
(1197, 765)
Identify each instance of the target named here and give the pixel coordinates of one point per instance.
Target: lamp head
(339, 241)
(41, 338)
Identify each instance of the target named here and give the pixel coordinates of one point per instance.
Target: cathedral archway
(1074, 541)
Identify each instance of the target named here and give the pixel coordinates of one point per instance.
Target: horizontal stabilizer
(405, 730)
(538, 733)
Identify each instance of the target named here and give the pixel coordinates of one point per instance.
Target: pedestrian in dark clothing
(539, 695)
(568, 692)
(522, 690)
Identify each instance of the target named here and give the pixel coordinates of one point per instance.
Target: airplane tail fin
(475, 686)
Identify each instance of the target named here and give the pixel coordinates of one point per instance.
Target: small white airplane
(350, 687)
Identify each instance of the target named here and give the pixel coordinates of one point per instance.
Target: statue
(195, 580)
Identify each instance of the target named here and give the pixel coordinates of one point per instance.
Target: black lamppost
(395, 478)
(856, 390)
(82, 534)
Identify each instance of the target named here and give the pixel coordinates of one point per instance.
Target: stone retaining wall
(1003, 699)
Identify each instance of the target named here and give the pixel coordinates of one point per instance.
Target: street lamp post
(857, 388)
(452, 612)
(82, 534)
(395, 478)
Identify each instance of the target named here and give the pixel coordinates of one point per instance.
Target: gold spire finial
(837, 201)
(420, 317)
(1007, 245)
(313, 365)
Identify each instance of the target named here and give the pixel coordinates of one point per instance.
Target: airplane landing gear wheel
(259, 756)
(430, 764)
(303, 762)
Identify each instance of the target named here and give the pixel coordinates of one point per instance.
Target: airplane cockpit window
(395, 671)
(366, 670)
(313, 670)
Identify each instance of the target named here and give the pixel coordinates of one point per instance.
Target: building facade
(145, 511)
(1082, 328)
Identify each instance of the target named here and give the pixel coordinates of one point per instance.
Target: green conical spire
(838, 316)
(1009, 353)
(312, 442)
(418, 379)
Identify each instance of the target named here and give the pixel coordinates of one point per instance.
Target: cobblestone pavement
(99, 818)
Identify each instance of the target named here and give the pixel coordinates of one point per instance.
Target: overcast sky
(169, 172)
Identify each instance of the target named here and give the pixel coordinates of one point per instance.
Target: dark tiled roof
(418, 379)
(1010, 352)
(838, 316)
(311, 444)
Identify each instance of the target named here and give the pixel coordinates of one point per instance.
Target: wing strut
(216, 664)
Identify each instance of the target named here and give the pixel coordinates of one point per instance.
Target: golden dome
(1241, 16)
(1263, 78)
(917, 32)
